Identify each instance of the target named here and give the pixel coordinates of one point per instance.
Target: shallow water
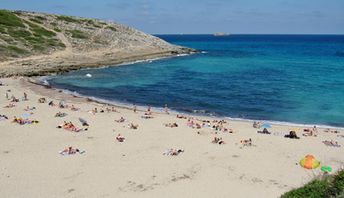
(290, 78)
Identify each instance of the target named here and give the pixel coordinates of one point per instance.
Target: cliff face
(37, 44)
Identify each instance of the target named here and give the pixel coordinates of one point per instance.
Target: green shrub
(111, 28)
(57, 29)
(93, 23)
(39, 31)
(16, 50)
(314, 189)
(67, 19)
(54, 24)
(36, 20)
(78, 34)
(3, 30)
(37, 47)
(10, 19)
(40, 18)
(18, 33)
(325, 187)
(6, 38)
(338, 183)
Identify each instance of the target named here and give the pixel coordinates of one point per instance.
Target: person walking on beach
(7, 95)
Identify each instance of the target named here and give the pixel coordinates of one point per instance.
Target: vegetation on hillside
(325, 187)
(78, 34)
(20, 37)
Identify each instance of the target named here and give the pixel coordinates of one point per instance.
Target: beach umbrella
(83, 122)
(266, 125)
(309, 162)
(26, 116)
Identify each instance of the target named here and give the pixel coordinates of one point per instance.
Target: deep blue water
(291, 78)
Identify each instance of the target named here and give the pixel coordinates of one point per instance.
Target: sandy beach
(31, 165)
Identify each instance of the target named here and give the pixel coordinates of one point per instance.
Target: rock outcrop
(39, 44)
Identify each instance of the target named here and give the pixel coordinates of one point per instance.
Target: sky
(203, 16)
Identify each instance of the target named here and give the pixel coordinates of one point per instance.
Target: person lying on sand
(22, 121)
(265, 131)
(70, 127)
(114, 110)
(172, 125)
(41, 100)
(29, 109)
(257, 125)
(3, 117)
(94, 111)
(217, 140)
(14, 99)
(120, 138)
(146, 116)
(331, 143)
(133, 126)
(173, 152)
(120, 120)
(60, 114)
(328, 130)
(51, 103)
(10, 105)
(246, 142)
(71, 151)
(310, 132)
(74, 108)
(181, 116)
(292, 135)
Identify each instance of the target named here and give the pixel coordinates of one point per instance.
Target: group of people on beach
(217, 125)
(192, 122)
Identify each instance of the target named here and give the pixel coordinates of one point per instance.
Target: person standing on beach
(166, 109)
(7, 95)
(149, 110)
(135, 108)
(25, 96)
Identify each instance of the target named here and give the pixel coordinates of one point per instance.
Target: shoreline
(33, 66)
(38, 82)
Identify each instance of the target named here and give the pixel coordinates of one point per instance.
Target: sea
(295, 79)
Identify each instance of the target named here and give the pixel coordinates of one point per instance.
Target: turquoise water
(289, 78)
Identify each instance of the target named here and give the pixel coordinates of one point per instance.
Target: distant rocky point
(38, 44)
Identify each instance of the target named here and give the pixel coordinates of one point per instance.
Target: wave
(282, 123)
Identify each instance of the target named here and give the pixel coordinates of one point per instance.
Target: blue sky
(203, 16)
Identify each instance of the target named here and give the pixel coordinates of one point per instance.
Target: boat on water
(220, 34)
